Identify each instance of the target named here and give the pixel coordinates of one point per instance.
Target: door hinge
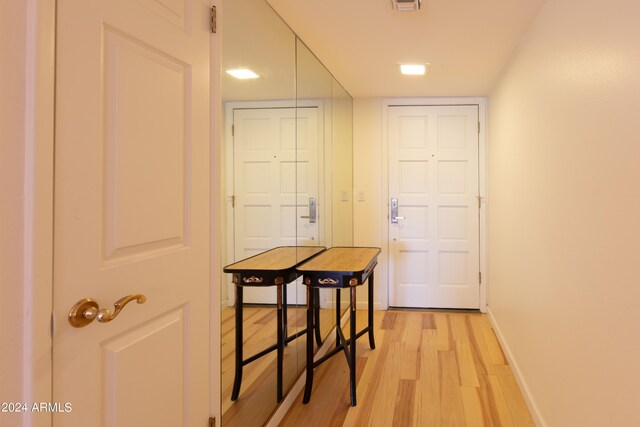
(212, 422)
(480, 277)
(478, 120)
(213, 19)
(233, 201)
(479, 201)
(233, 130)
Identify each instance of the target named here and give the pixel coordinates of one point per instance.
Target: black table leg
(338, 303)
(316, 315)
(372, 341)
(280, 338)
(309, 380)
(237, 380)
(352, 347)
(284, 314)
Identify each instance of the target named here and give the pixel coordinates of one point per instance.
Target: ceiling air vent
(406, 5)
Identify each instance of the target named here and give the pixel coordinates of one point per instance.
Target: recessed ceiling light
(242, 73)
(413, 69)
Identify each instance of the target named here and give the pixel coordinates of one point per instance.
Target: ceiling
(466, 42)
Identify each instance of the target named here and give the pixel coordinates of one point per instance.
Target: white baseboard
(360, 305)
(526, 393)
(363, 305)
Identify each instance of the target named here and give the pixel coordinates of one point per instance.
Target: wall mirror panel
(287, 182)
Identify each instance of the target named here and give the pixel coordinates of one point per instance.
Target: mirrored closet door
(287, 182)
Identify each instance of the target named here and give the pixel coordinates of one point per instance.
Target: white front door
(433, 176)
(132, 172)
(275, 174)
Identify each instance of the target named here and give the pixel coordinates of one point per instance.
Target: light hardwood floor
(428, 369)
(257, 399)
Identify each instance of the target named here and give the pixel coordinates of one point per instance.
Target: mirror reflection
(287, 183)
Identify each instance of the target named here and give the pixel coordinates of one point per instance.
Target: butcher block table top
(280, 258)
(347, 260)
(340, 267)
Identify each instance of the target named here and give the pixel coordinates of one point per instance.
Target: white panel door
(275, 174)
(433, 174)
(132, 171)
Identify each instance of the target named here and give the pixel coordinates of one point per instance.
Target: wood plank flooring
(257, 399)
(428, 369)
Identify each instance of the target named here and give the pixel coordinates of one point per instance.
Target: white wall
(564, 228)
(367, 185)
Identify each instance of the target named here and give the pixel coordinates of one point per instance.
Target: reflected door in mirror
(272, 185)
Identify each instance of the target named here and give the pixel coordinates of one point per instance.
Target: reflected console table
(339, 268)
(275, 267)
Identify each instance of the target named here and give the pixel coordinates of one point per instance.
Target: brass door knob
(86, 310)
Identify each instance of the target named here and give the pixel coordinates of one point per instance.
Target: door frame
(31, 251)
(481, 103)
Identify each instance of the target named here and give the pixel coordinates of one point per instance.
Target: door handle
(394, 211)
(86, 310)
(312, 211)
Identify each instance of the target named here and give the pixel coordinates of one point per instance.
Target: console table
(275, 267)
(338, 268)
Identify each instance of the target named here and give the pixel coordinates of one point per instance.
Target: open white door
(132, 211)
(433, 181)
(275, 176)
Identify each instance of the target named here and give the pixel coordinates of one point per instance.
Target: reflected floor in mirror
(257, 399)
(428, 369)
